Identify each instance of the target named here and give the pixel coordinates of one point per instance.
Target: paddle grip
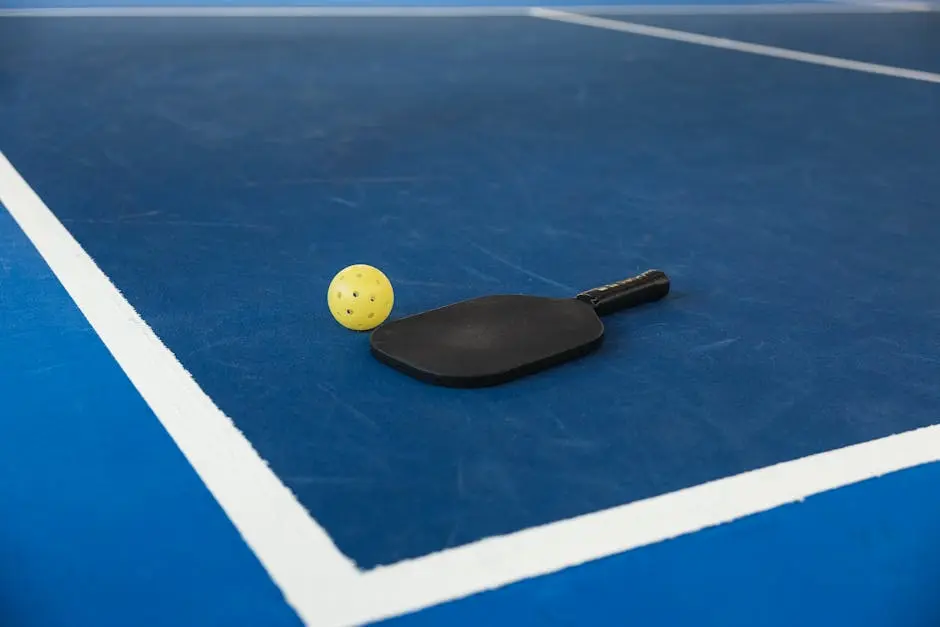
(650, 286)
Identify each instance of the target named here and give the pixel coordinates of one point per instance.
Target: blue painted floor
(221, 171)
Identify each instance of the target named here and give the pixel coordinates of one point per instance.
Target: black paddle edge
(490, 380)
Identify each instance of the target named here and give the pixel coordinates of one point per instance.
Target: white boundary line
(297, 553)
(494, 562)
(732, 44)
(831, 7)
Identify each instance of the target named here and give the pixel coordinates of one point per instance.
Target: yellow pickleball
(360, 297)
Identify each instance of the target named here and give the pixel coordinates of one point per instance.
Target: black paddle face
(494, 339)
(488, 340)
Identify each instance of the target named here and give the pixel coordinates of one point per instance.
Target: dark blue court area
(221, 171)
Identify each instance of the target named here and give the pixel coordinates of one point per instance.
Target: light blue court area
(104, 521)
(201, 444)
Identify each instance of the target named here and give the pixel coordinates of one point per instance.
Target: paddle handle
(648, 287)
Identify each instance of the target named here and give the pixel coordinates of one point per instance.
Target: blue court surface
(187, 437)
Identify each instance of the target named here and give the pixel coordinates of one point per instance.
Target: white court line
(494, 562)
(297, 553)
(832, 7)
(322, 585)
(732, 44)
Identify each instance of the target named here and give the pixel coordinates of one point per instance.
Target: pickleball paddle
(493, 339)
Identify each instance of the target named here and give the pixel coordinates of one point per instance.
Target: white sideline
(497, 561)
(295, 550)
(732, 44)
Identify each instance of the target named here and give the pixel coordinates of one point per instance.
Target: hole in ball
(355, 294)
(372, 298)
(349, 311)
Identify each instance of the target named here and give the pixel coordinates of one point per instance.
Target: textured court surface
(220, 171)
